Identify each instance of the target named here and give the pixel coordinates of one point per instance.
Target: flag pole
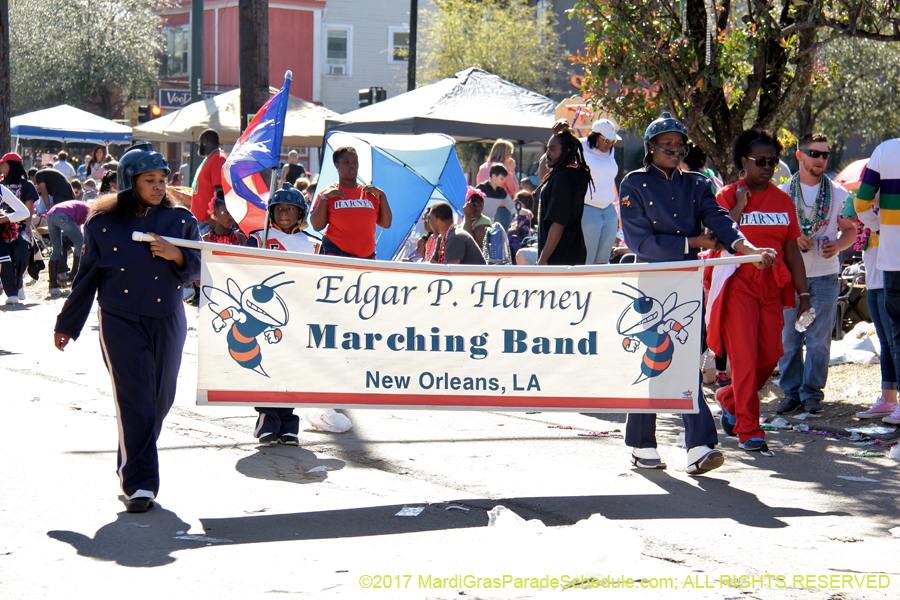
(273, 181)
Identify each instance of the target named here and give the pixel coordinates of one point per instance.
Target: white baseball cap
(607, 129)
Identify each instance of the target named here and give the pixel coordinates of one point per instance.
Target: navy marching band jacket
(128, 279)
(660, 212)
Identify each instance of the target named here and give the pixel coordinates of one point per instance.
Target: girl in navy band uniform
(141, 314)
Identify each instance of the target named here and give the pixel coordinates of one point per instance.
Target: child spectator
(226, 230)
(475, 223)
(497, 203)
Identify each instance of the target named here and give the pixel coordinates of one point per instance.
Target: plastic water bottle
(805, 320)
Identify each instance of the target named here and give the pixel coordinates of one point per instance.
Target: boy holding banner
(285, 226)
(662, 208)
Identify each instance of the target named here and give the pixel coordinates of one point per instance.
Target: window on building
(398, 44)
(338, 50)
(178, 46)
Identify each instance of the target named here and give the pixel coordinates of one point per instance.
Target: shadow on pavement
(132, 540)
(335, 524)
(287, 463)
(714, 499)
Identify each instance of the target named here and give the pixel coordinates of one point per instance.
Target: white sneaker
(894, 419)
(646, 458)
(55, 293)
(12, 300)
(702, 459)
(22, 295)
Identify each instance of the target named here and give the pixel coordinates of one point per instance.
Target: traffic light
(148, 112)
(365, 97)
(372, 95)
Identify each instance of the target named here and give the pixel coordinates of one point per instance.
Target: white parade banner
(286, 329)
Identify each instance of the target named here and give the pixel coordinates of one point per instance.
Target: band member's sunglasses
(815, 153)
(761, 162)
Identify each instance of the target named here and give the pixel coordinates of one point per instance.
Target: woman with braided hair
(561, 204)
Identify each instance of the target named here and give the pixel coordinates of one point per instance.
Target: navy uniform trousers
(699, 429)
(276, 420)
(143, 355)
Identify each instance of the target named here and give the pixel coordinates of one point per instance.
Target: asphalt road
(235, 520)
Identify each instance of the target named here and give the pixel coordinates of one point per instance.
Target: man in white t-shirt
(62, 165)
(824, 233)
(600, 221)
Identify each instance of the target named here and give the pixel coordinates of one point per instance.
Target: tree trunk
(806, 118)
(254, 56)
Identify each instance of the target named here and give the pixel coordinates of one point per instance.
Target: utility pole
(254, 56)
(196, 78)
(4, 76)
(196, 50)
(413, 35)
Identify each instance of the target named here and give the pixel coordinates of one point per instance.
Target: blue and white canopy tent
(413, 170)
(66, 123)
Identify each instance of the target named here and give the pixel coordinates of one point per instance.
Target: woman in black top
(16, 236)
(561, 204)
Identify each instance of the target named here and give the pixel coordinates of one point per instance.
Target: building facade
(333, 47)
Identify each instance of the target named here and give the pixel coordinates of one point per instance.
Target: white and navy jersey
(295, 241)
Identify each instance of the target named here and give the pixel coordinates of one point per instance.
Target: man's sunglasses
(815, 153)
(761, 162)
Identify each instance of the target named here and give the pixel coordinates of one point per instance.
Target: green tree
(748, 64)
(505, 37)
(857, 95)
(92, 54)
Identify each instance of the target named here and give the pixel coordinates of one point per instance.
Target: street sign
(174, 98)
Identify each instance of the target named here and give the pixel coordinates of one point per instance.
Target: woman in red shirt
(350, 211)
(745, 302)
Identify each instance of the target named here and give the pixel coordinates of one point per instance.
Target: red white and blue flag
(258, 149)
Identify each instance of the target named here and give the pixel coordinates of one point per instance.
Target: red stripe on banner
(425, 400)
(301, 261)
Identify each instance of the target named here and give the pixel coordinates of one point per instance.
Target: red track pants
(751, 329)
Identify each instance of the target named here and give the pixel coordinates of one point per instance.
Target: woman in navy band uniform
(141, 313)
(662, 208)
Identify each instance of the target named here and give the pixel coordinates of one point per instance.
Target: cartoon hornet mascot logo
(657, 325)
(255, 310)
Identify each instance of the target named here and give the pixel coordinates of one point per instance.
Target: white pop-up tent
(304, 123)
(471, 105)
(69, 124)
(412, 170)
